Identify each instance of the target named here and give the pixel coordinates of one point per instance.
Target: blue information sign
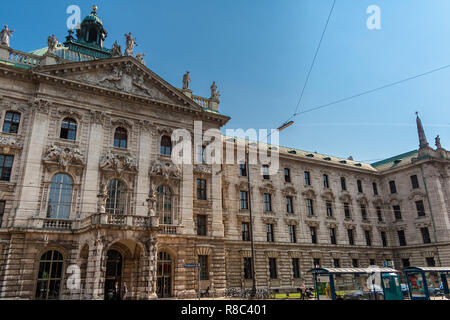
(192, 265)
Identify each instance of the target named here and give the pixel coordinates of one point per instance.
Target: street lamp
(252, 244)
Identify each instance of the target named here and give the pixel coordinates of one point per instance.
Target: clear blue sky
(259, 53)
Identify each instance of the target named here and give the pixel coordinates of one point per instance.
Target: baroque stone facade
(91, 185)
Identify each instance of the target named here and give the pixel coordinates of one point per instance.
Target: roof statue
(140, 58)
(5, 34)
(186, 80)
(423, 143)
(116, 50)
(131, 43)
(52, 42)
(215, 95)
(438, 142)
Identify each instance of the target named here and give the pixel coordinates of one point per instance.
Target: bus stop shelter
(331, 272)
(422, 281)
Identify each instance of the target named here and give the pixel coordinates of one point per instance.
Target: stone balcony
(103, 219)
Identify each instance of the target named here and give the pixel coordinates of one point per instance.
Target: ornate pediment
(64, 156)
(118, 162)
(165, 169)
(125, 77)
(203, 170)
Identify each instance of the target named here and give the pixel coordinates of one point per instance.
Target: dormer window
(68, 129)
(120, 138)
(11, 122)
(166, 146)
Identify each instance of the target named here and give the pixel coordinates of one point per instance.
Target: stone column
(95, 272)
(186, 199)
(216, 195)
(89, 197)
(143, 181)
(150, 268)
(30, 187)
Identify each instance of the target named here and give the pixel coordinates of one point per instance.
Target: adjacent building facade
(89, 191)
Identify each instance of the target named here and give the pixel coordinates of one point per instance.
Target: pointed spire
(423, 143)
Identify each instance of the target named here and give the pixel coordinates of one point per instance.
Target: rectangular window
(245, 231)
(392, 187)
(351, 239)
(287, 175)
(425, 235)
(343, 184)
(6, 163)
(363, 212)
(201, 225)
(368, 237)
(383, 238)
(397, 212)
(273, 268)
(11, 122)
(316, 262)
(203, 262)
(401, 237)
(430, 262)
(201, 189)
(2, 211)
(292, 234)
(359, 184)
(420, 208)
(265, 171)
(289, 205)
(375, 189)
(243, 200)
(355, 263)
(201, 154)
(243, 169)
(269, 232)
(295, 268)
(313, 234)
(326, 184)
(379, 214)
(309, 207)
(336, 263)
(248, 274)
(333, 236)
(329, 209)
(406, 263)
(414, 182)
(347, 210)
(307, 178)
(267, 202)
(372, 262)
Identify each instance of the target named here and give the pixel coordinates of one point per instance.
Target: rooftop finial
(94, 10)
(423, 143)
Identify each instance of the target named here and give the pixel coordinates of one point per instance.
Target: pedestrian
(303, 291)
(116, 291)
(124, 291)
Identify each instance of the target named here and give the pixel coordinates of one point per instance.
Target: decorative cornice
(64, 156)
(118, 162)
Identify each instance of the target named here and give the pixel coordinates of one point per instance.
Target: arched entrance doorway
(164, 274)
(113, 273)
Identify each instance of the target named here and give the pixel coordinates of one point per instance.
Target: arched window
(68, 129)
(120, 138)
(60, 198)
(164, 204)
(49, 275)
(11, 123)
(166, 146)
(116, 202)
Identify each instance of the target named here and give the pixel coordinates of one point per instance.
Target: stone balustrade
(19, 57)
(203, 102)
(100, 219)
